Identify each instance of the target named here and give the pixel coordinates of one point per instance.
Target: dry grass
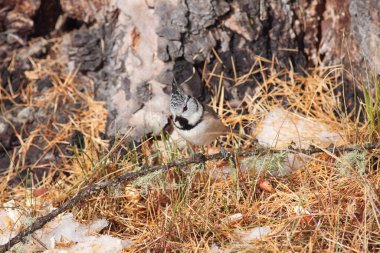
(183, 210)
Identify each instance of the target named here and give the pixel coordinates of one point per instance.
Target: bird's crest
(178, 96)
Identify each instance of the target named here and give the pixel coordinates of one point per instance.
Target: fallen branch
(125, 178)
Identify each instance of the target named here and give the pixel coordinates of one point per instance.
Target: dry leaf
(213, 150)
(145, 149)
(232, 219)
(40, 191)
(32, 75)
(305, 214)
(135, 35)
(265, 185)
(252, 234)
(222, 163)
(63, 243)
(132, 194)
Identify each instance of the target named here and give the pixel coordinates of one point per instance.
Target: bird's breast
(204, 133)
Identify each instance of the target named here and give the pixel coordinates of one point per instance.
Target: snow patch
(62, 235)
(281, 128)
(256, 233)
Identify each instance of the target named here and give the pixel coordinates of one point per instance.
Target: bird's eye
(186, 102)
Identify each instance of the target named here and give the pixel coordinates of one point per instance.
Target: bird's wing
(214, 120)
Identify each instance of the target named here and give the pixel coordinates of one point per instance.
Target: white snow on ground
(280, 128)
(256, 233)
(61, 235)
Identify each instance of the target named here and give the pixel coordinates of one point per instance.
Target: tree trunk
(132, 49)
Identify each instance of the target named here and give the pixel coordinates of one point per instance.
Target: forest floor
(329, 204)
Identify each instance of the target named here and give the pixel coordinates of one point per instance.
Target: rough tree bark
(184, 32)
(174, 36)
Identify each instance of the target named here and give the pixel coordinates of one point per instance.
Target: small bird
(195, 122)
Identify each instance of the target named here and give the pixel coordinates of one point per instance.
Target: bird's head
(184, 107)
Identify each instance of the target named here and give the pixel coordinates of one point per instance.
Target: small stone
(3, 127)
(44, 84)
(26, 115)
(4, 162)
(6, 135)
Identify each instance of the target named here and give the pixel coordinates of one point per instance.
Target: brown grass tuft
(186, 208)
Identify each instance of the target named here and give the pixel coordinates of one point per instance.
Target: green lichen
(156, 180)
(272, 163)
(355, 160)
(159, 180)
(117, 191)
